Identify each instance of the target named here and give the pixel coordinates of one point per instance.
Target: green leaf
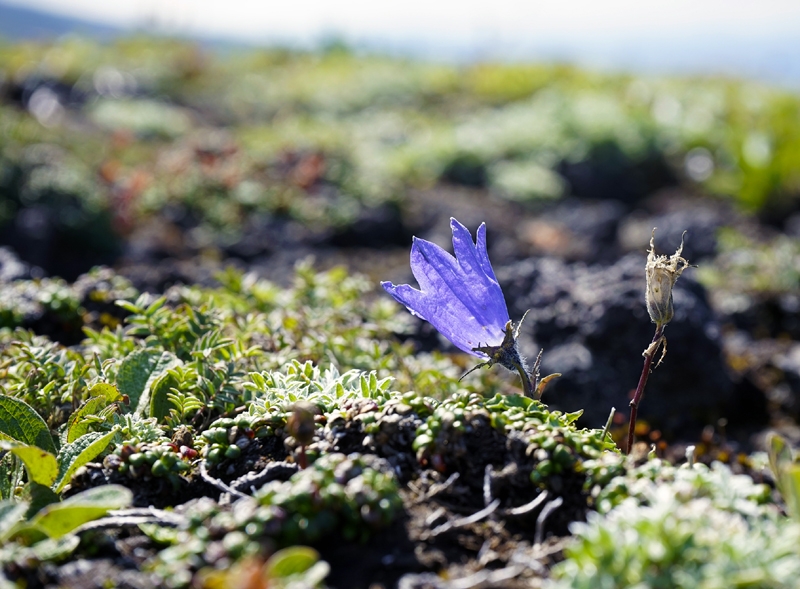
(364, 386)
(9, 473)
(155, 306)
(79, 423)
(420, 441)
(11, 513)
(19, 421)
(138, 371)
(78, 453)
(41, 465)
(294, 560)
(129, 307)
(40, 497)
(27, 534)
(159, 402)
(59, 519)
(160, 534)
(54, 549)
(780, 457)
(518, 401)
(790, 489)
(574, 416)
(104, 389)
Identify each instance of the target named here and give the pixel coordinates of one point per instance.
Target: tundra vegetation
(219, 411)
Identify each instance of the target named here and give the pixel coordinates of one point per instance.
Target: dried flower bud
(662, 272)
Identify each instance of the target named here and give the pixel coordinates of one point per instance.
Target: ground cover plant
(202, 437)
(215, 409)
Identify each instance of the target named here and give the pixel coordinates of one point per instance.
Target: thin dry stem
(649, 353)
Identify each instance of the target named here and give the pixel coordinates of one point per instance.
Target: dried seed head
(662, 272)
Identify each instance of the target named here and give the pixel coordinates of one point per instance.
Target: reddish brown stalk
(637, 396)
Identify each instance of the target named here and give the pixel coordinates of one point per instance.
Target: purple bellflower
(461, 298)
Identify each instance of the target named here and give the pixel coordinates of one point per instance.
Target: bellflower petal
(460, 295)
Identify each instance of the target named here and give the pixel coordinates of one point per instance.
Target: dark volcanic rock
(789, 389)
(772, 367)
(593, 326)
(700, 219)
(377, 227)
(764, 316)
(579, 230)
(54, 215)
(606, 172)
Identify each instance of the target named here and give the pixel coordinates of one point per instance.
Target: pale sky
(752, 38)
(457, 18)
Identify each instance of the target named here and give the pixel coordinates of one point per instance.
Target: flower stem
(637, 396)
(527, 385)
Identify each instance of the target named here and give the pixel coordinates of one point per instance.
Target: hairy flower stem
(637, 396)
(527, 385)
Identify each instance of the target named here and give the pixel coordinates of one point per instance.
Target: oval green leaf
(294, 560)
(19, 421)
(41, 465)
(138, 371)
(79, 423)
(56, 549)
(109, 391)
(78, 453)
(59, 519)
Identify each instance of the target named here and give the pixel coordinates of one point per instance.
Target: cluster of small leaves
(49, 463)
(44, 374)
(555, 444)
(99, 290)
(350, 495)
(151, 460)
(354, 495)
(749, 268)
(179, 329)
(227, 437)
(693, 527)
(726, 490)
(24, 300)
(325, 317)
(188, 368)
(135, 430)
(308, 382)
(198, 345)
(275, 395)
(53, 306)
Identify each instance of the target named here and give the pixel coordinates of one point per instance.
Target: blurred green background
(97, 140)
